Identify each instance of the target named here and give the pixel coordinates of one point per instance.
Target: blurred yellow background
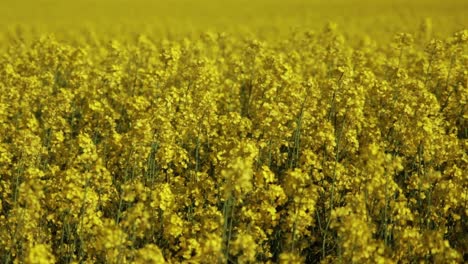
(268, 16)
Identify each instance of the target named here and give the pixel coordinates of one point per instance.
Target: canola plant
(233, 132)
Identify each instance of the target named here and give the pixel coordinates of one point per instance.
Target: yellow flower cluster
(321, 146)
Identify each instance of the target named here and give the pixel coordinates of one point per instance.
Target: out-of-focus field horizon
(261, 17)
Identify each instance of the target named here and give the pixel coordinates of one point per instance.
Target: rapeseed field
(259, 131)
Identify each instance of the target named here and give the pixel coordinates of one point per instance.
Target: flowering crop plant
(261, 131)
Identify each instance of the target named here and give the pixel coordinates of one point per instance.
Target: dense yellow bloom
(149, 254)
(40, 254)
(258, 134)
